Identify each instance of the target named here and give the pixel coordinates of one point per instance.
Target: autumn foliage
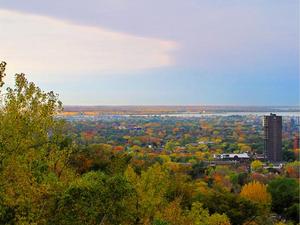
(256, 192)
(133, 171)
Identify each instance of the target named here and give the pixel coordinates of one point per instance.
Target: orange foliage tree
(292, 169)
(256, 192)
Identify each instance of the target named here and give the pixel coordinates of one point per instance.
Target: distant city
(136, 112)
(160, 110)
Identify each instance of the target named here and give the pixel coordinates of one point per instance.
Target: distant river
(181, 115)
(284, 114)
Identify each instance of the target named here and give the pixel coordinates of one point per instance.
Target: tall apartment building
(273, 137)
(296, 143)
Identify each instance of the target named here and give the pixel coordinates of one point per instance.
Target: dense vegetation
(58, 172)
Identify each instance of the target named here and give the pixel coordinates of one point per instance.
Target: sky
(158, 52)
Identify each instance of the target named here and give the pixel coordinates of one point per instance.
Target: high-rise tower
(273, 137)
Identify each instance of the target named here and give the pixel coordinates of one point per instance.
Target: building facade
(296, 142)
(273, 137)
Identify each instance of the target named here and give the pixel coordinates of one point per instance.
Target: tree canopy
(130, 172)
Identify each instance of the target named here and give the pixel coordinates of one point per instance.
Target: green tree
(171, 145)
(27, 118)
(236, 208)
(173, 214)
(33, 152)
(285, 197)
(198, 169)
(93, 199)
(150, 192)
(200, 216)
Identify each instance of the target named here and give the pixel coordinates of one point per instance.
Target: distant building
(296, 142)
(233, 156)
(273, 137)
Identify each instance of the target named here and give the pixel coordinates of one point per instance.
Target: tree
(2, 73)
(256, 192)
(200, 216)
(198, 169)
(288, 155)
(285, 197)
(33, 152)
(283, 223)
(171, 145)
(292, 169)
(27, 120)
(238, 209)
(257, 165)
(173, 214)
(181, 188)
(93, 199)
(150, 190)
(218, 219)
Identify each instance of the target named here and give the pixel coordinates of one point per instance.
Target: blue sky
(169, 52)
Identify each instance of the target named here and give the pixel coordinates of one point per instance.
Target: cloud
(40, 45)
(216, 37)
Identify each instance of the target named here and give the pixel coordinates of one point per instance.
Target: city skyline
(156, 53)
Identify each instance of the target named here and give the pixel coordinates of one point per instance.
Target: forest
(135, 171)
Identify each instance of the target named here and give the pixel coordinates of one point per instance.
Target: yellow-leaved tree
(256, 192)
(34, 151)
(257, 166)
(150, 189)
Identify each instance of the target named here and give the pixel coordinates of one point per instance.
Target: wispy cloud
(43, 45)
